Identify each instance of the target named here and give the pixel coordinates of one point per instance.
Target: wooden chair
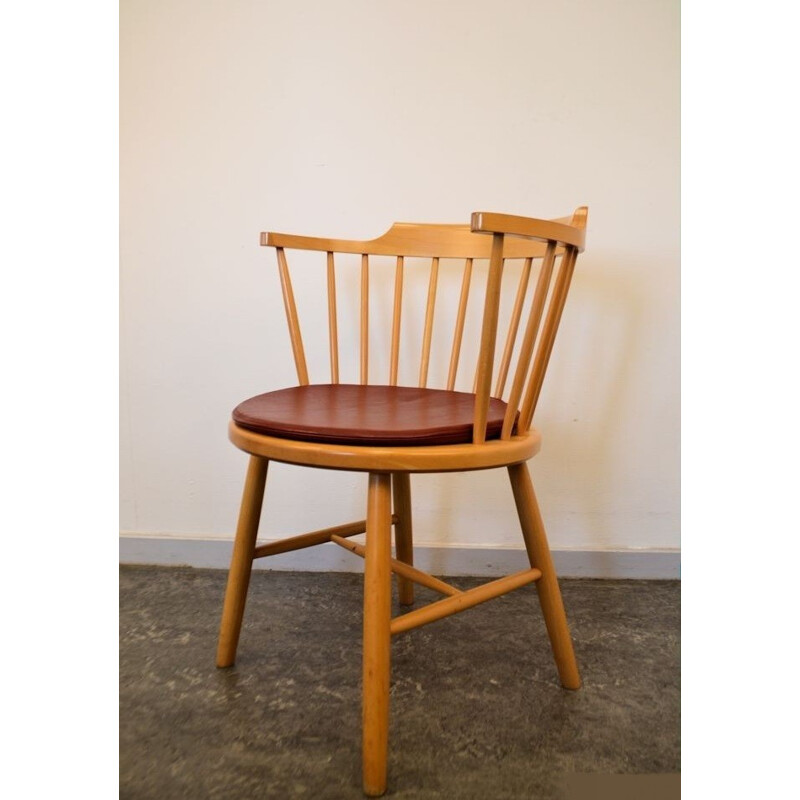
(389, 431)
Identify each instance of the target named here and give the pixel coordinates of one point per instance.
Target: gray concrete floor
(476, 707)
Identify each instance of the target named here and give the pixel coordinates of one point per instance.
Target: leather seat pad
(367, 415)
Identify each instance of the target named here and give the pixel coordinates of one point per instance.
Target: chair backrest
(553, 244)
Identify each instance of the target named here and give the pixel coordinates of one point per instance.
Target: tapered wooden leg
(403, 539)
(547, 586)
(241, 561)
(377, 639)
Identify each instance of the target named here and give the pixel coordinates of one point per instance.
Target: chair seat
(350, 414)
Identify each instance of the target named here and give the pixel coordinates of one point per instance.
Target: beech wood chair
(390, 431)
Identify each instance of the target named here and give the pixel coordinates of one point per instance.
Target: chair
(390, 431)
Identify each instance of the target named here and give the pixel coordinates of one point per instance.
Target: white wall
(338, 119)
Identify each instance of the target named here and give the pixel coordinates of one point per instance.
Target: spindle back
(553, 245)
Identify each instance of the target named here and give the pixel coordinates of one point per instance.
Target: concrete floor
(476, 708)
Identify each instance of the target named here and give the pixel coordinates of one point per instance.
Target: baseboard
(438, 559)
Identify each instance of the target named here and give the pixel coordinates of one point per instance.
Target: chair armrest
(573, 234)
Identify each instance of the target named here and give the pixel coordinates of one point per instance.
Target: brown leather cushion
(367, 415)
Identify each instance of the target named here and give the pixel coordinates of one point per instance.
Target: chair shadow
(589, 380)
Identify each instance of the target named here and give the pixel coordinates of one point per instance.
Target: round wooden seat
(380, 416)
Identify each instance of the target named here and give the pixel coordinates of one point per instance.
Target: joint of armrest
(527, 227)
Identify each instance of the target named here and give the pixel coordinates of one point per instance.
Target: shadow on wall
(587, 395)
(590, 395)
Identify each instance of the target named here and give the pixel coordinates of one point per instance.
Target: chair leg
(241, 561)
(404, 543)
(377, 639)
(547, 586)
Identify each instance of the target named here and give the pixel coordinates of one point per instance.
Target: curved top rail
(428, 241)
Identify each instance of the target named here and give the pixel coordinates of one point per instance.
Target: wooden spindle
(528, 339)
(426, 339)
(513, 327)
(402, 569)
(491, 310)
(459, 331)
(548, 336)
(463, 600)
(475, 378)
(291, 319)
(398, 305)
(332, 329)
(364, 318)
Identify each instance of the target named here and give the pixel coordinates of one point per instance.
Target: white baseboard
(439, 559)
